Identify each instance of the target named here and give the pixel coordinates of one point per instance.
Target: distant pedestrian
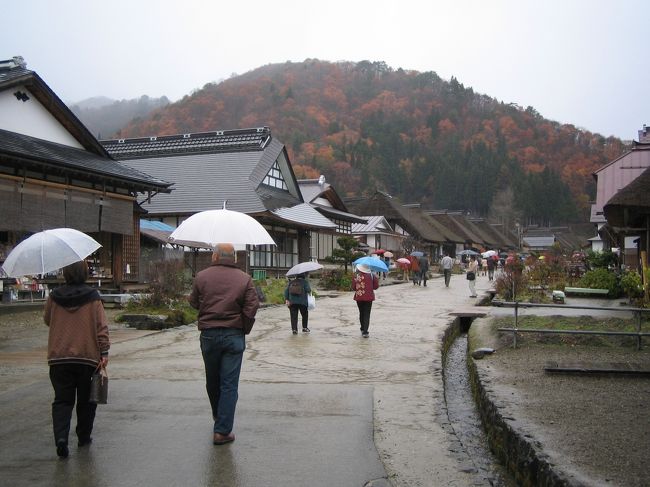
(472, 270)
(491, 265)
(415, 270)
(295, 297)
(424, 269)
(387, 262)
(227, 303)
(78, 342)
(364, 284)
(447, 264)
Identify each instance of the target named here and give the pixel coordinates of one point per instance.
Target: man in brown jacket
(227, 304)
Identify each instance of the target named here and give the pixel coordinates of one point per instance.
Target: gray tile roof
(304, 214)
(45, 152)
(14, 73)
(13, 69)
(203, 178)
(194, 143)
(539, 242)
(375, 224)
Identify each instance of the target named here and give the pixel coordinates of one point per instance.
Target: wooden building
(54, 173)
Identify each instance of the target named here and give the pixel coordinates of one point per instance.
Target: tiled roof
(14, 72)
(204, 180)
(330, 212)
(539, 242)
(13, 69)
(157, 231)
(220, 141)
(155, 225)
(45, 152)
(305, 215)
(311, 190)
(375, 224)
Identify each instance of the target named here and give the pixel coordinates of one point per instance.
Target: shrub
(167, 282)
(512, 283)
(273, 290)
(631, 284)
(601, 278)
(336, 279)
(604, 259)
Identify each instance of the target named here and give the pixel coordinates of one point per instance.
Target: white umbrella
(48, 251)
(303, 267)
(209, 228)
(489, 253)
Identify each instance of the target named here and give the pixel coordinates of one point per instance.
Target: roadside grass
(582, 323)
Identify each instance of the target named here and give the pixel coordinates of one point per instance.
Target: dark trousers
(223, 351)
(68, 381)
(364, 314)
(293, 313)
(447, 273)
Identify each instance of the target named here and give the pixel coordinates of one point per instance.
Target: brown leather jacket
(225, 297)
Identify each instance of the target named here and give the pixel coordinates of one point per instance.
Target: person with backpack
(295, 297)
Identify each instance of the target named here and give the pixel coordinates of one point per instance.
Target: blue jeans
(222, 350)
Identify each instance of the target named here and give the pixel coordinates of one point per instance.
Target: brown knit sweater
(78, 330)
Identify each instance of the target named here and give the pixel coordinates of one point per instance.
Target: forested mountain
(366, 126)
(104, 116)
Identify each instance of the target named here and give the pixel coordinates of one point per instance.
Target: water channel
(464, 417)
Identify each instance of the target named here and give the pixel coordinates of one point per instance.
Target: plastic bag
(311, 302)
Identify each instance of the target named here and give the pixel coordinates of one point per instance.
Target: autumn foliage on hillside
(366, 126)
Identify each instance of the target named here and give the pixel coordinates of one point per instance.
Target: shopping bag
(311, 302)
(99, 385)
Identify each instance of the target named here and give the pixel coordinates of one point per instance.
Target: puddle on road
(464, 417)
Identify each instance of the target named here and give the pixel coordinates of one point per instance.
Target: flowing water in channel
(465, 419)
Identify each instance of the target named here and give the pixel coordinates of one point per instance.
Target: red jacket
(363, 285)
(225, 297)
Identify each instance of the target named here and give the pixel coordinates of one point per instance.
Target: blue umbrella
(417, 253)
(375, 264)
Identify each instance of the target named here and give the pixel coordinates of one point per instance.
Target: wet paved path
(309, 410)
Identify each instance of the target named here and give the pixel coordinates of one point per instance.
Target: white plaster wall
(31, 118)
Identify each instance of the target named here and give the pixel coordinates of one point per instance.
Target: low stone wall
(528, 465)
(147, 322)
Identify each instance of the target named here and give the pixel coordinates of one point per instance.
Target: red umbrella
(379, 251)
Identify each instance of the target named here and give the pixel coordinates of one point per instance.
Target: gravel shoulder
(595, 429)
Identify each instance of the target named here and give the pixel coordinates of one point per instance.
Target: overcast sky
(582, 62)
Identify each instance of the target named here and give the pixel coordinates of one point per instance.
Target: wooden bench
(586, 368)
(585, 290)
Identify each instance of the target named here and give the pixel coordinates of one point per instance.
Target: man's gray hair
(223, 251)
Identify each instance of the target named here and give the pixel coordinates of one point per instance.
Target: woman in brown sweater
(78, 341)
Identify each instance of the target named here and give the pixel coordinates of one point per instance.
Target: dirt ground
(598, 425)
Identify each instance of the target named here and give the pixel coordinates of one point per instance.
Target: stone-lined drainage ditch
(501, 455)
(463, 415)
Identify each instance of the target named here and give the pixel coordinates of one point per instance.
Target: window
(283, 254)
(274, 178)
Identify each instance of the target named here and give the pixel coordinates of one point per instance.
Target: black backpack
(296, 288)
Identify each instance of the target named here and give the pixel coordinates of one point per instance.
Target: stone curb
(522, 456)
